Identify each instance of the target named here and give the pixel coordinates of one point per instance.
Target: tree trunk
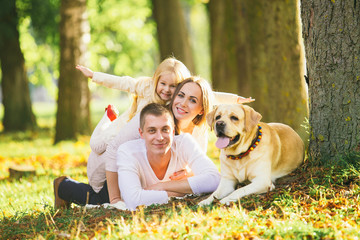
(172, 32)
(18, 114)
(73, 114)
(255, 51)
(331, 35)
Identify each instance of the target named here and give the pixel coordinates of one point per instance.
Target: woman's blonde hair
(169, 65)
(206, 96)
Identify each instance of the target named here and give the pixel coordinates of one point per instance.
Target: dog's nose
(220, 124)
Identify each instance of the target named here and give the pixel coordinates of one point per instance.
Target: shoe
(59, 203)
(112, 112)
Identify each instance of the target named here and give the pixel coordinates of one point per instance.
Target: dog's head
(231, 123)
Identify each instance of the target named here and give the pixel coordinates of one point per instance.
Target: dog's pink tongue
(222, 142)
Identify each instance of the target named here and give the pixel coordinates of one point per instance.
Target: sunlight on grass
(36, 148)
(311, 203)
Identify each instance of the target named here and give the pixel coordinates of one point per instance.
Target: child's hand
(86, 71)
(245, 100)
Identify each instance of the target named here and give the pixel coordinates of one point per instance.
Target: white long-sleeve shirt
(135, 173)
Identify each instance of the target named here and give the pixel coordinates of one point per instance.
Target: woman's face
(188, 102)
(166, 86)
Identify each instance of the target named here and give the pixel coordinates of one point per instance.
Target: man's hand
(86, 71)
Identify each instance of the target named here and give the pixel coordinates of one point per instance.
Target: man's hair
(156, 110)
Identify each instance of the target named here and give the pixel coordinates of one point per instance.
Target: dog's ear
(210, 118)
(252, 118)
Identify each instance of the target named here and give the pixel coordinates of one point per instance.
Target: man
(147, 166)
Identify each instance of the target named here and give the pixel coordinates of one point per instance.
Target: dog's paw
(227, 201)
(205, 202)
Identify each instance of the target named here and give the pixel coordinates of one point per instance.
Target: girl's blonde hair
(206, 96)
(169, 65)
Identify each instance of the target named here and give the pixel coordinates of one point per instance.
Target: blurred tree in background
(39, 37)
(256, 51)
(18, 114)
(73, 114)
(172, 32)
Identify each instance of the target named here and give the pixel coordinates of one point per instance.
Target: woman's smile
(181, 110)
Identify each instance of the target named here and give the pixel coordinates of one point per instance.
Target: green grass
(314, 202)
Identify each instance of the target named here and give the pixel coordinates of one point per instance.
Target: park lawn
(311, 203)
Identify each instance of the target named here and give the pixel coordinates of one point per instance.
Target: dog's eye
(234, 118)
(217, 117)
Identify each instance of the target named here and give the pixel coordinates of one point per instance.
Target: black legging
(76, 192)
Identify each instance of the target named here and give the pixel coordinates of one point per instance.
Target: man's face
(158, 133)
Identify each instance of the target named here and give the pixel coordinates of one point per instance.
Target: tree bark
(73, 114)
(172, 33)
(331, 35)
(256, 52)
(18, 114)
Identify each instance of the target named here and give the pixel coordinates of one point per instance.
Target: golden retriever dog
(251, 150)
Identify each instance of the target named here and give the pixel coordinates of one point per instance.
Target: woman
(191, 102)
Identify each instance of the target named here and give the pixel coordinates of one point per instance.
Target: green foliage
(41, 59)
(200, 39)
(45, 18)
(122, 37)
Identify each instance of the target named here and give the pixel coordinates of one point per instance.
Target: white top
(135, 173)
(95, 166)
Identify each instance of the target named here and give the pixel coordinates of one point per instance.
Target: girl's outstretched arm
(245, 100)
(230, 98)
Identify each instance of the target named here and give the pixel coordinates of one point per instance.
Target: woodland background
(298, 59)
(251, 48)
